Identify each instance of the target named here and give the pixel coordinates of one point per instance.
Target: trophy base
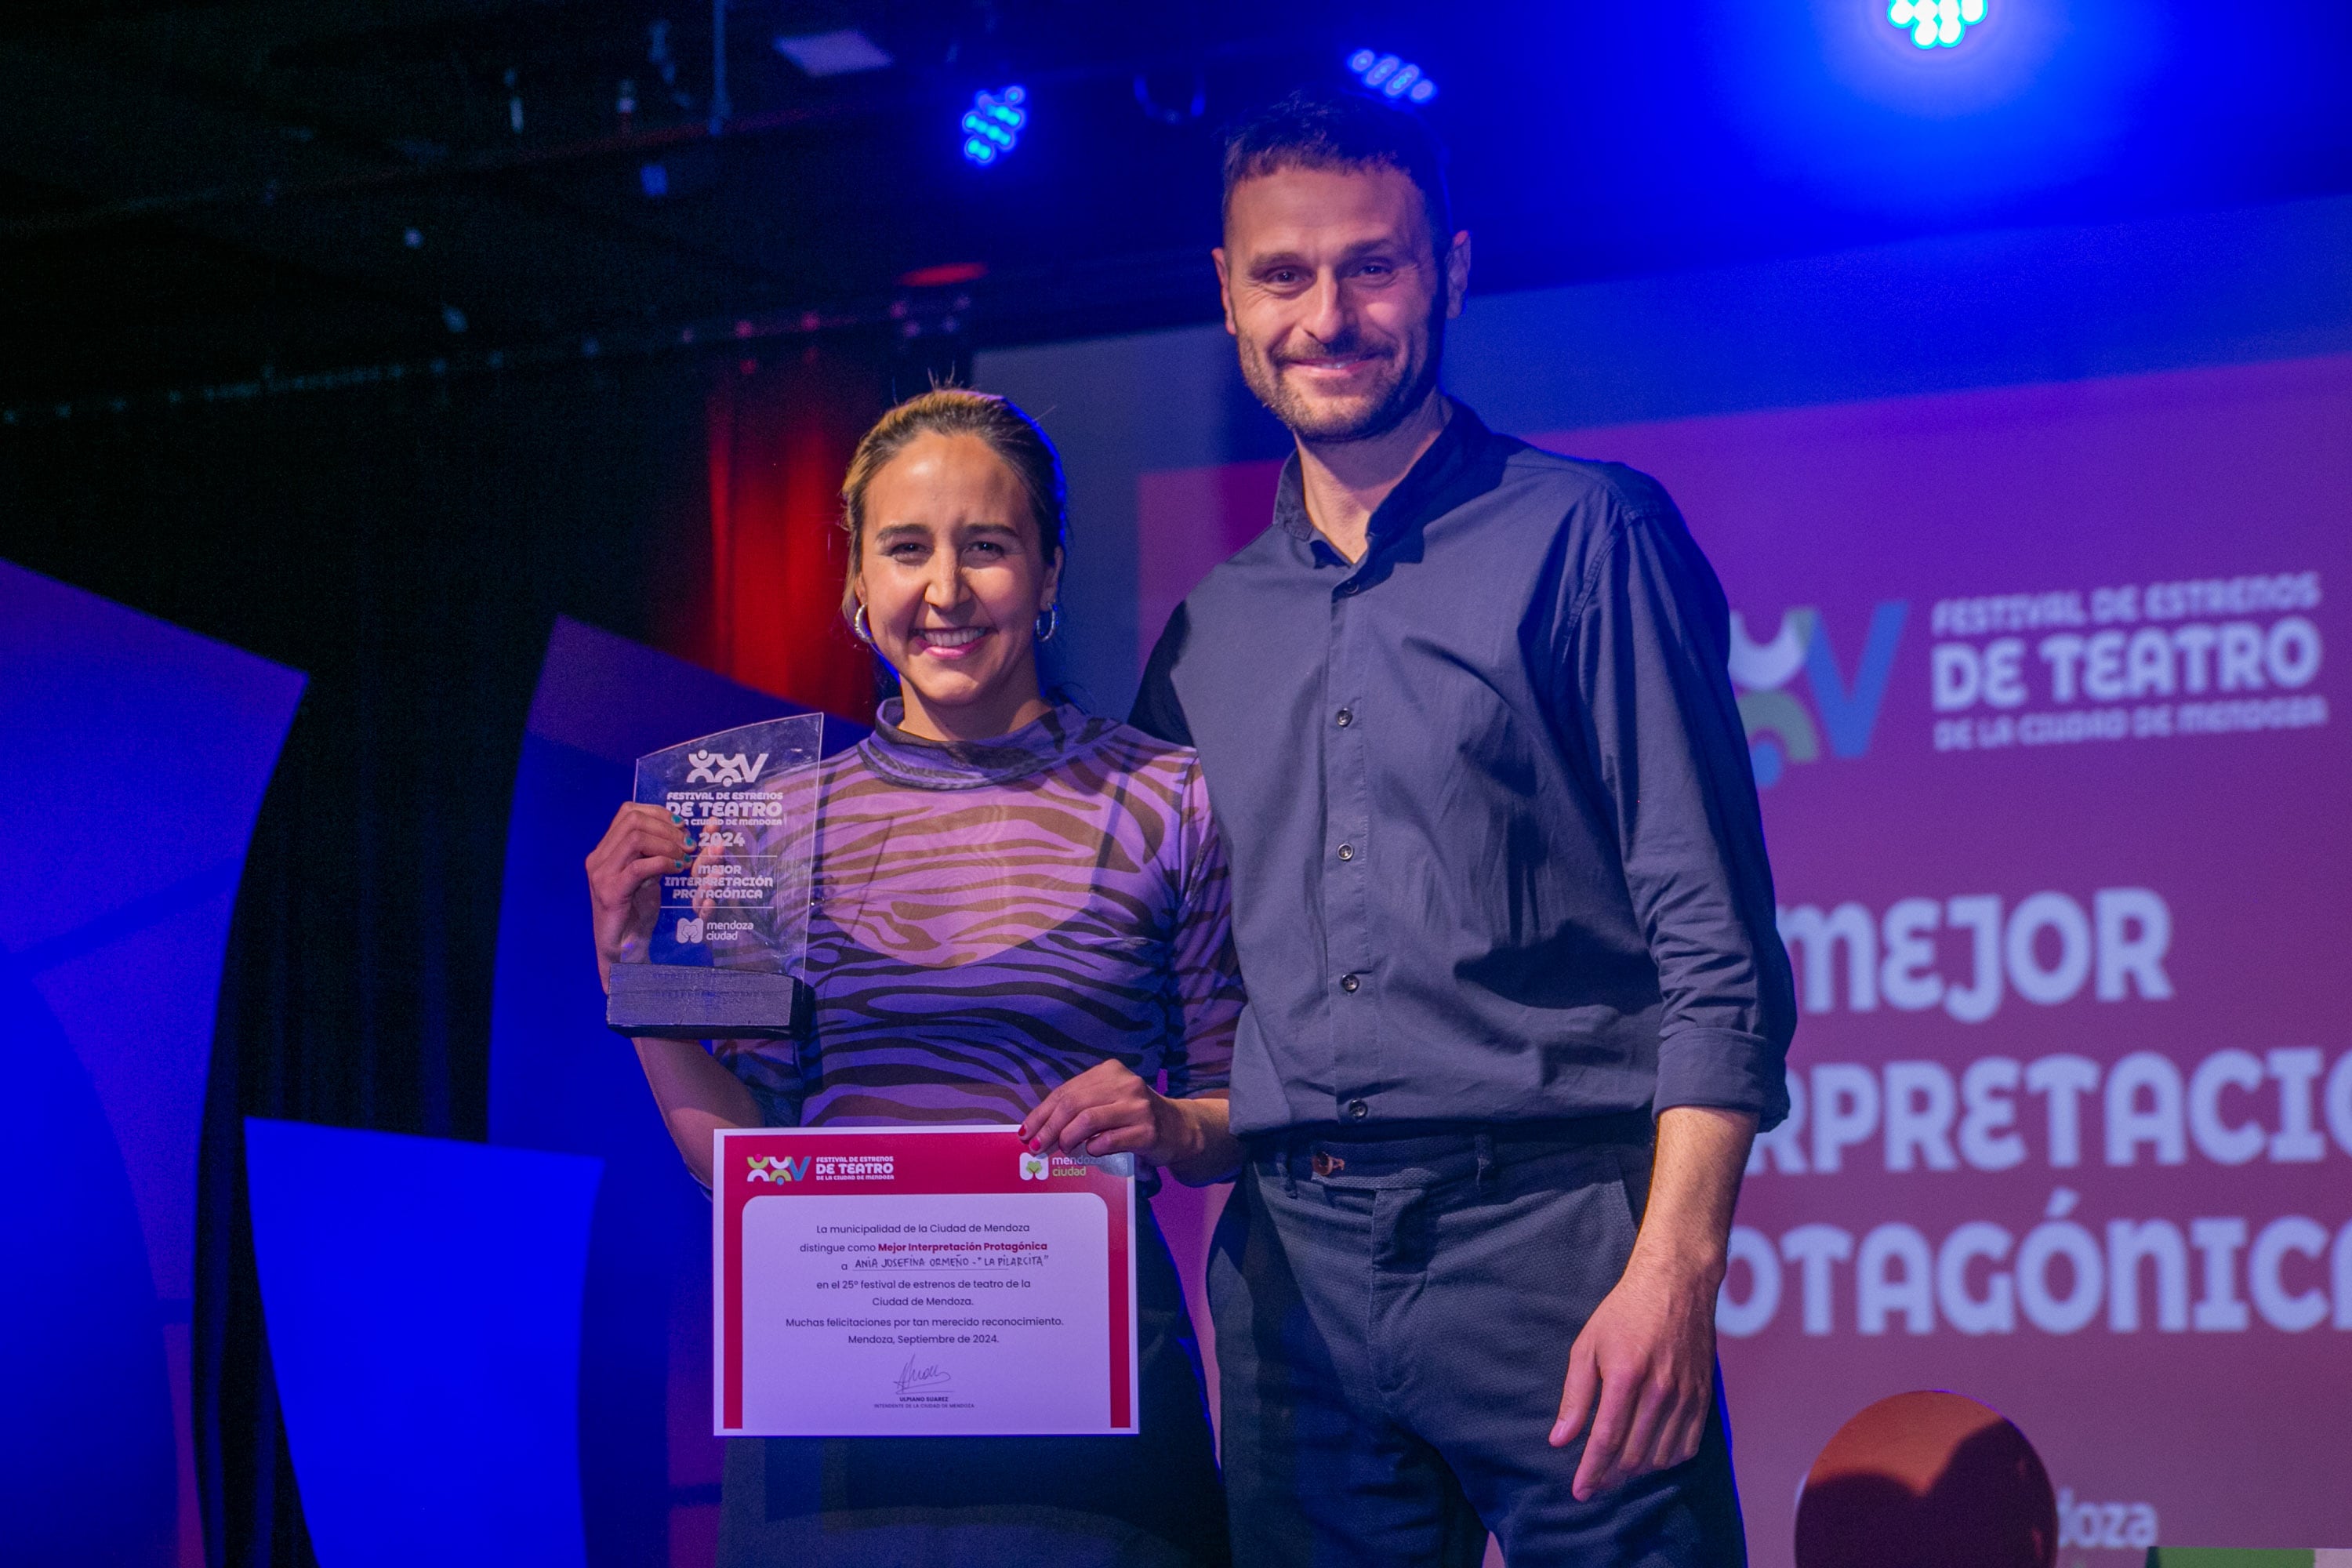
(679, 1001)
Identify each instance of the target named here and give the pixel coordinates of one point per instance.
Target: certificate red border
(923, 1160)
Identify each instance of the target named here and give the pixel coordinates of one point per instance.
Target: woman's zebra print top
(993, 919)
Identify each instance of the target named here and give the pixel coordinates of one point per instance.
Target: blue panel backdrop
(137, 754)
(423, 1300)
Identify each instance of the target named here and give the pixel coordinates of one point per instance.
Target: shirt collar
(1063, 732)
(1408, 505)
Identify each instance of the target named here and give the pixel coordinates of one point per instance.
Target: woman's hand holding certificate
(1107, 1110)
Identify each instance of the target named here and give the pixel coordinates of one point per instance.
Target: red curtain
(782, 429)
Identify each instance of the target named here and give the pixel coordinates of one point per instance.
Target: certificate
(904, 1281)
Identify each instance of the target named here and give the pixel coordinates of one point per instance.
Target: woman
(1021, 917)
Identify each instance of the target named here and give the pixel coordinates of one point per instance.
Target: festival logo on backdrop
(2064, 667)
(2203, 656)
(1843, 712)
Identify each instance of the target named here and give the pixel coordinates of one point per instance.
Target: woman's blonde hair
(1012, 434)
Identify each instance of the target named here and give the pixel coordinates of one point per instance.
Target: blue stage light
(991, 126)
(1394, 78)
(1936, 23)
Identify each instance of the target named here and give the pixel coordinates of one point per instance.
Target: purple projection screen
(2038, 680)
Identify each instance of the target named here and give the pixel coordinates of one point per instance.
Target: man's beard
(1315, 420)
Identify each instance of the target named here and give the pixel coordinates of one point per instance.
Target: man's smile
(1334, 364)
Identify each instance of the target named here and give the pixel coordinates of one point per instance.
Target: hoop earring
(1048, 623)
(857, 625)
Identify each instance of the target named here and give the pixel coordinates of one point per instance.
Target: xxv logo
(778, 1168)
(722, 768)
(1781, 730)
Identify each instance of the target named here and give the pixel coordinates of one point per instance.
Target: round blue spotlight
(991, 127)
(1936, 23)
(1398, 78)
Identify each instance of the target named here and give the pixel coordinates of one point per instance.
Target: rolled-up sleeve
(1648, 637)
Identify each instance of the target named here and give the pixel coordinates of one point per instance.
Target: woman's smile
(948, 642)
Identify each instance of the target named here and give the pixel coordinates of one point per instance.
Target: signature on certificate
(912, 1379)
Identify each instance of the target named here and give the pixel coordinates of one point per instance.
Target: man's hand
(1643, 1372)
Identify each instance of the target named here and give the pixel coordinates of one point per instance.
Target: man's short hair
(1318, 129)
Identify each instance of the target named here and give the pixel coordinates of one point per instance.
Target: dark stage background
(409, 550)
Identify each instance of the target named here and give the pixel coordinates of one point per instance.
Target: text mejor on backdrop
(2038, 683)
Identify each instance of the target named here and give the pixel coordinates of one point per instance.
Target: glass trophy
(726, 956)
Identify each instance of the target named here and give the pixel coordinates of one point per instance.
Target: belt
(1434, 1149)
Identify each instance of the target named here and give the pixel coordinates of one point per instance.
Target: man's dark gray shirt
(1486, 795)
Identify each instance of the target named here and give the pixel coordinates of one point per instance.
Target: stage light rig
(991, 127)
(1937, 24)
(1398, 78)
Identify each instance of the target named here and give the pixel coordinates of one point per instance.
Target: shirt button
(1345, 717)
(1347, 852)
(1349, 983)
(1357, 1110)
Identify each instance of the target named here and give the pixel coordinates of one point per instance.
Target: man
(1517, 1005)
